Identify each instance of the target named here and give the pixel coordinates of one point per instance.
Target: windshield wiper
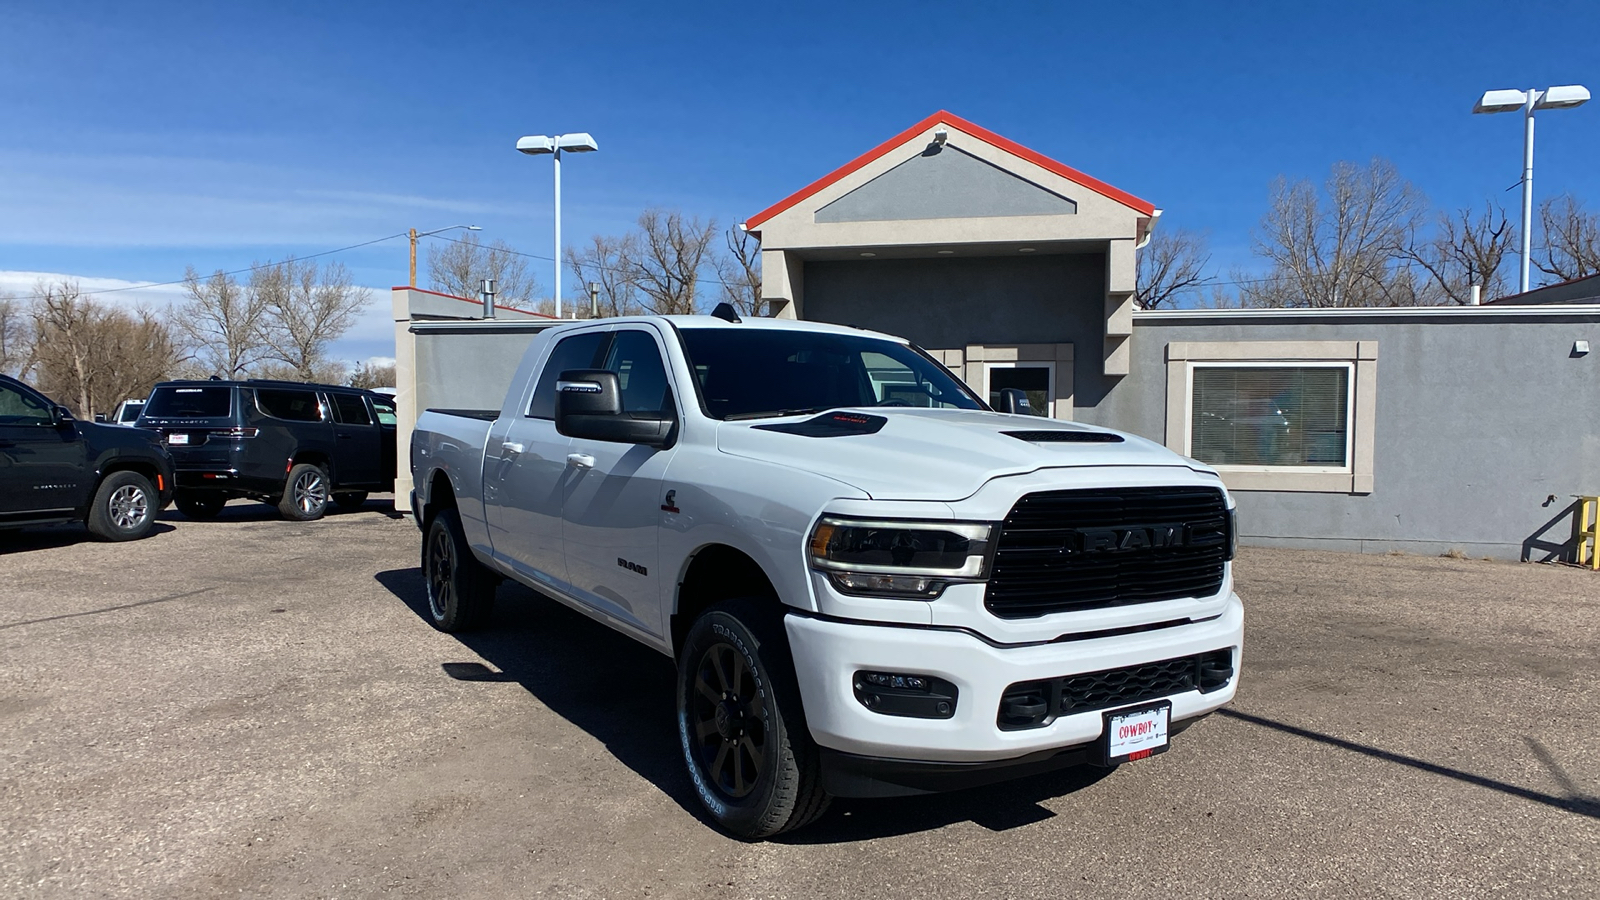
(774, 413)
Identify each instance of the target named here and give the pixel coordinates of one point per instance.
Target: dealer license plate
(1132, 734)
(177, 439)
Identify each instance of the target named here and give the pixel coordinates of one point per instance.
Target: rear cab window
(186, 402)
(289, 404)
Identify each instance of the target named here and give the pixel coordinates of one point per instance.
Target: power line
(254, 268)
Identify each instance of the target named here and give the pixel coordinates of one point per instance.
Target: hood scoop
(1065, 437)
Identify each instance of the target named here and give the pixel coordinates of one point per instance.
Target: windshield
(750, 373)
(130, 411)
(175, 402)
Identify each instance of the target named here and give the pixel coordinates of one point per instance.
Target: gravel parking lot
(255, 707)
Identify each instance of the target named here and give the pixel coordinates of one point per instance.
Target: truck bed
(452, 441)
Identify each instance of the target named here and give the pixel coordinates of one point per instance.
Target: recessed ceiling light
(1024, 249)
(946, 252)
(869, 254)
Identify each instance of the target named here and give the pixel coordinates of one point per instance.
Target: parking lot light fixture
(540, 144)
(1564, 96)
(416, 234)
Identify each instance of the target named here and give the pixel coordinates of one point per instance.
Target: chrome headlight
(900, 558)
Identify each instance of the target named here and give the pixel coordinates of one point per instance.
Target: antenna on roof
(726, 312)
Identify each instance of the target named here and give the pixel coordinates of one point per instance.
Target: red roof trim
(526, 312)
(1143, 207)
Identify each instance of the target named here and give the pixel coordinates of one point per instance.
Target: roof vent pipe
(1477, 295)
(488, 293)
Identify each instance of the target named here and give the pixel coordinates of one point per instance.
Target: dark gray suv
(296, 446)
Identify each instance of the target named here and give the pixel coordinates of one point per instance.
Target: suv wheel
(460, 589)
(740, 725)
(124, 507)
(200, 505)
(305, 495)
(350, 501)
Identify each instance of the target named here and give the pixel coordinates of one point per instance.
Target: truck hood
(934, 454)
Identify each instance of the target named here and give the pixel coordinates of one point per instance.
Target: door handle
(580, 460)
(511, 447)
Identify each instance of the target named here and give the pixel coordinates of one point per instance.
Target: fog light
(904, 694)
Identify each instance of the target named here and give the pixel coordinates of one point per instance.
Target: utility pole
(594, 300)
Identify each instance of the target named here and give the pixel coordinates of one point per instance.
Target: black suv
(54, 468)
(290, 444)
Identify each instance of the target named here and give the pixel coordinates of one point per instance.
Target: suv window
(17, 408)
(350, 409)
(174, 402)
(296, 406)
(385, 410)
(640, 374)
(576, 352)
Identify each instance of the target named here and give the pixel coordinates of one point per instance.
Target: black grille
(1034, 704)
(1068, 550)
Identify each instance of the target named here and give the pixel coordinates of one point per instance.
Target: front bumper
(828, 653)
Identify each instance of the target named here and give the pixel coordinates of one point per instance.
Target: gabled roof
(1144, 207)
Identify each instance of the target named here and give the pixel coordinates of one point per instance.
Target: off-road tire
(350, 501)
(199, 505)
(305, 493)
(124, 507)
(460, 589)
(762, 701)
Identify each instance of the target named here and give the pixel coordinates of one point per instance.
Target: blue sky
(138, 138)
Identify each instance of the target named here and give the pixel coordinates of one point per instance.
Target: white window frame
(1349, 415)
(1048, 365)
(1359, 357)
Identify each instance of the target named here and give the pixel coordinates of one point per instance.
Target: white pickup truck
(872, 583)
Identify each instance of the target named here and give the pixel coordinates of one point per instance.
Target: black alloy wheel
(460, 590)
(741, 727)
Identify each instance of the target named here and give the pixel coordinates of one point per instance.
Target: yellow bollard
(1589, 532)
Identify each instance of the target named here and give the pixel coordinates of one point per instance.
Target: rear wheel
(305, 495)
(124, 507)
(350, 500)
(460, 589)
(199, 504)
(740, 724)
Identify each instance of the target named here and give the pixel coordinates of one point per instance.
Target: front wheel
(305, 495)
(124, 507)
(740, 724)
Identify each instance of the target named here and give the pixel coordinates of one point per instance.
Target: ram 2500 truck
(872, 583)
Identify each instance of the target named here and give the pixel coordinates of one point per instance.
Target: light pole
(1563, 96)
(537, 144)
(415, 235)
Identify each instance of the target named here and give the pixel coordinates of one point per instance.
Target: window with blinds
(1271, 416)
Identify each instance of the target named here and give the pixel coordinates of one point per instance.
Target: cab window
(17, 408)
(641, 376)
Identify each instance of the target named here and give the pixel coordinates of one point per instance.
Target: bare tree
(1571, 246)
(371, 375)
(1171, 265)
(93, 356)
(306, 307)
(1465, 250)
(459, 266)
(1339, 247)
(221, 322)
(16, 338)
(608, 262)
(739, 270)
(671, 251)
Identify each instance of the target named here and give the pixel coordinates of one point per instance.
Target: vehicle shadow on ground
(622, 694)
(50, 537)
(254, 511)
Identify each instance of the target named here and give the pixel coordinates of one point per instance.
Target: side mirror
(589, 405)
(60, 415)
(100, 417)
(1014, 401)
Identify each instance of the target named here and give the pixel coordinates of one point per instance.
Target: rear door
(43, 471)
(384, 409)
(525, 469)
(613, 500)
(358, 447)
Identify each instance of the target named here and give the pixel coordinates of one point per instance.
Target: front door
(612, 509)
(525, 471)
(42, 465)
(358, 444)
